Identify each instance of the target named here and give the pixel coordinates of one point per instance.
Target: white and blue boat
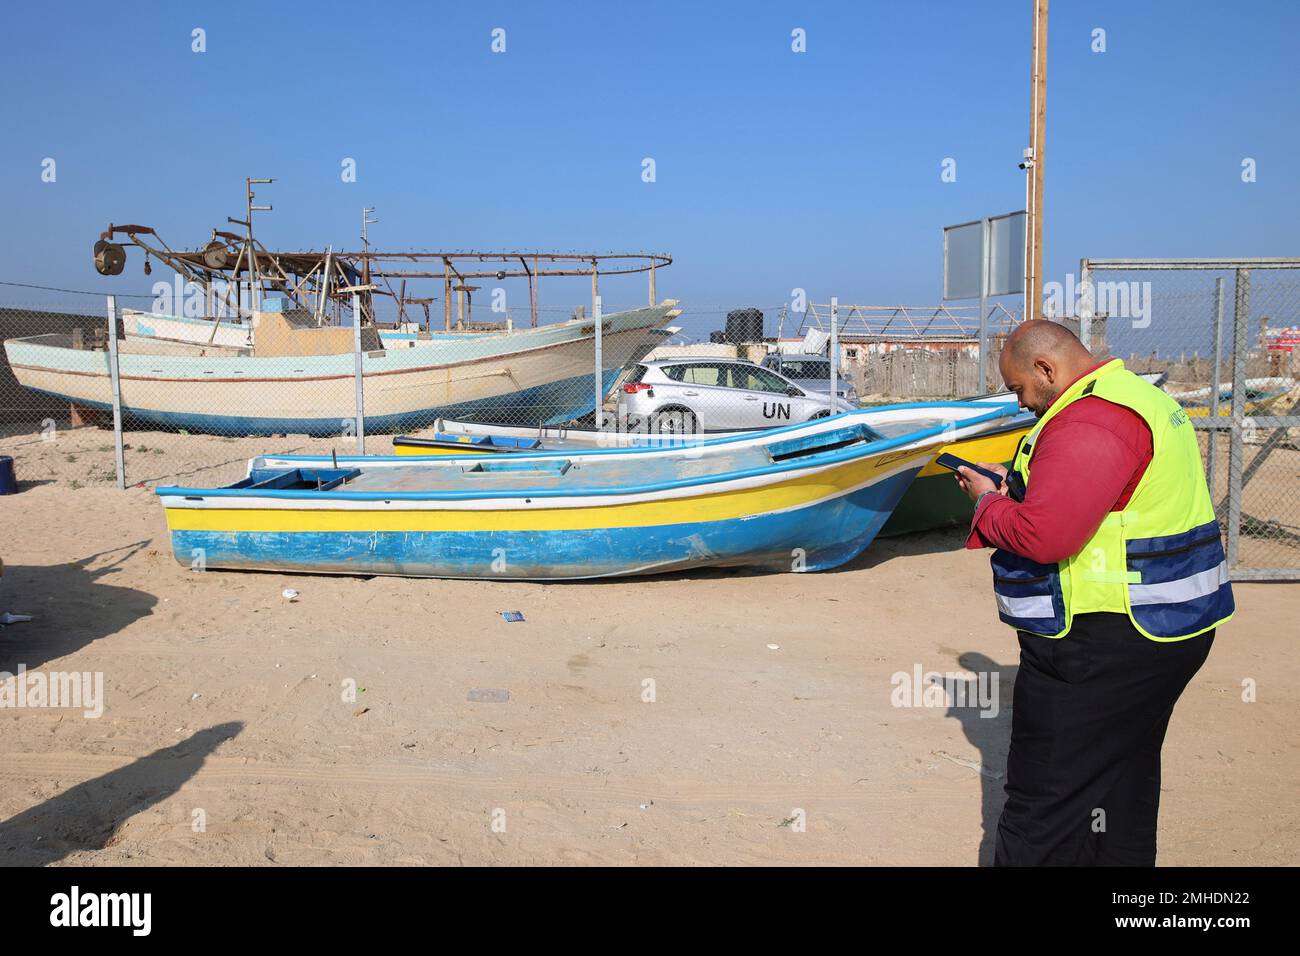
(303, 380)
(802, 497)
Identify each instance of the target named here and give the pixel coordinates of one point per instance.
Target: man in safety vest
(1110, 567)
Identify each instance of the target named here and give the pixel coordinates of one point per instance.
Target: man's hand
(975, 484)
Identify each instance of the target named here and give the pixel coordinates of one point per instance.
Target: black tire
(673, 420)
(817, 415)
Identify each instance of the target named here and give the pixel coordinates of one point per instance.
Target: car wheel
(822, 414)
(674, 420)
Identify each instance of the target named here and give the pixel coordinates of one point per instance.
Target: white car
(688, 396)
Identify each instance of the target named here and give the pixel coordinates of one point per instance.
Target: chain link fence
(196, 398)
(909, 353)
(36, 429)
(1225, 331)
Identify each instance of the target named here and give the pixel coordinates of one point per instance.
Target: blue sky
(775, 170)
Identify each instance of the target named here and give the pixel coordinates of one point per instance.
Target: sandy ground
(226, 739)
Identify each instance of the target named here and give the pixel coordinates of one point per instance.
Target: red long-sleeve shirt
(1089, 458)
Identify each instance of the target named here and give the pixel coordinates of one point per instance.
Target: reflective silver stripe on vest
(1184, 589)
(1026, 607)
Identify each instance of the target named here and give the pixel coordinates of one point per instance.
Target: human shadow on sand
(70, 604)
(87, 816)
(991, 736)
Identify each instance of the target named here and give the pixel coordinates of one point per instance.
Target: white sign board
(1007, 254)
(984, 257)
(963, 260)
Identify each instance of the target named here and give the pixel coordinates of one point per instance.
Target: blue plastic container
(8, 484)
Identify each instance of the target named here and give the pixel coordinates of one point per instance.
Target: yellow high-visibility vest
(1160, 560)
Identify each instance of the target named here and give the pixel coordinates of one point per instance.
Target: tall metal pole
(360, 380)
(117, 390)
(366, 222)
(446, 295)
(835, 351)
(254, 283)
(1236, 447)
(986, 231)
(1084, 307)
(253, 298)
(1038, 137)
(1212, 435)
(600, 360)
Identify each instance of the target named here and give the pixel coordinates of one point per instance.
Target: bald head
(1039, 337)
(1039, 359)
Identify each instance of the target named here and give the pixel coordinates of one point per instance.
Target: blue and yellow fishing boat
(802, 497)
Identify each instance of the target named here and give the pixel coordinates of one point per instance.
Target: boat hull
(835, 516)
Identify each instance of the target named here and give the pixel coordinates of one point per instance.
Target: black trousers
(1089, 715)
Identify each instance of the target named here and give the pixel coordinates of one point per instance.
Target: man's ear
(1046, 369)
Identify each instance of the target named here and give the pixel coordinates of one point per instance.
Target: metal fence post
(1236, 446)
(361, 388)
(116, 380)
(1212, 435)
(982, 380)
(599, 411)
(1084, 306)
(835, 351)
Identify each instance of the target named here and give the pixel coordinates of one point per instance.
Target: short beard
(1049, 397)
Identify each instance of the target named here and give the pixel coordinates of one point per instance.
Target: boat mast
(253, 282)
(365, 300)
